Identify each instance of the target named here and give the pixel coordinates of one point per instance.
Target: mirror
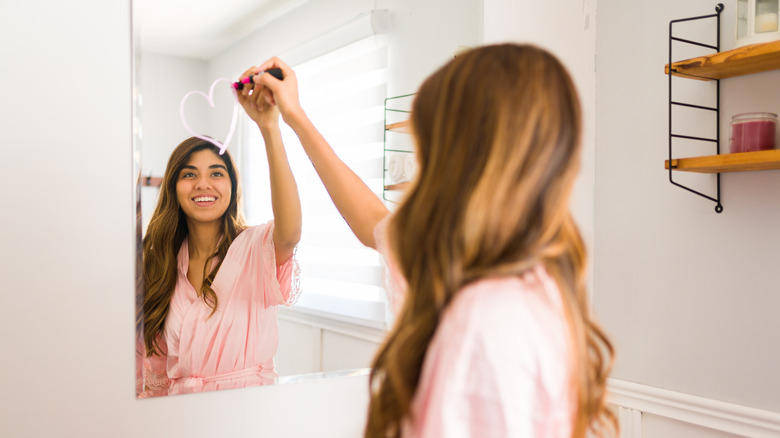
(349, 56)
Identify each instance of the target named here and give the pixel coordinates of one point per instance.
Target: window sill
(325, 310)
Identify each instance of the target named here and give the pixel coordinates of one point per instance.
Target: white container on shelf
(757, 21)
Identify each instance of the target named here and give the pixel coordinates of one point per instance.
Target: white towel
(395, 168)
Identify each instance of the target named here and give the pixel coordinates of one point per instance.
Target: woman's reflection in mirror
(207, 316)
(493, 335)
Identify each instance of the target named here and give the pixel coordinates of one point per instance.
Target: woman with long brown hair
(494, 335)
(211, 284)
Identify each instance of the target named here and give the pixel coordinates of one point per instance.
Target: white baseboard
(630, 421)
(700, 411)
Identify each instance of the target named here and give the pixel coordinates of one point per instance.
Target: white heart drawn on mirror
(210, 99)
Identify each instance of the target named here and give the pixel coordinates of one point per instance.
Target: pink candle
(753, 132)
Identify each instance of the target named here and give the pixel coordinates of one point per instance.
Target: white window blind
(343, 93)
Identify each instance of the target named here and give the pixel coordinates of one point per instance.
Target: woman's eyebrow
(213, 166)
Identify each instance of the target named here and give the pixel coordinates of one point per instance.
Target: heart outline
(210, 99)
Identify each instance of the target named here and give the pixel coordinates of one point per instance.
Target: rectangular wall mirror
(349, 56)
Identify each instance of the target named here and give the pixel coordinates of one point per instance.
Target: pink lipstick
(275, 72)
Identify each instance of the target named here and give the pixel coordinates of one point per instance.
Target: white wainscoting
(316, 343)
(324, 344)
(648, 412)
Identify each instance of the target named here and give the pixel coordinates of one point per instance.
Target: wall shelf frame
(398, 106)
(755, 58)
(674, 71)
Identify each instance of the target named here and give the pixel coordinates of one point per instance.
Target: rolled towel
(395, 168)
(410, 166)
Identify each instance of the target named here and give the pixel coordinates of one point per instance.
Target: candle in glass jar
(753, 132)
(766, 22)
(757, 21)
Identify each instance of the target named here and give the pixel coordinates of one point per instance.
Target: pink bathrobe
(235, 346)
(498, 363)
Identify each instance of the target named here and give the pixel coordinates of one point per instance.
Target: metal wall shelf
(402, 127)
(742, 61)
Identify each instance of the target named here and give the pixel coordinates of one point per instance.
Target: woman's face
(203, 187)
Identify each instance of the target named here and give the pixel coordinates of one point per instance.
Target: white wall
(68, 250)
(690, 296)
(163, 81)
(425, 36)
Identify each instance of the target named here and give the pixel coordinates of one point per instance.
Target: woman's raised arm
(285, 201)
(360, 207)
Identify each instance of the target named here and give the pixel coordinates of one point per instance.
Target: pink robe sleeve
(281, 284)
(394, 282)
(151, 372)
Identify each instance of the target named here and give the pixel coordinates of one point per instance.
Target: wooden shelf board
(740, 162)
(745, 60)
(398, 127)
(151, 181)
(397, 187)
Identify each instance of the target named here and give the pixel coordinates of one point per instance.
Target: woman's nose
(202, 182)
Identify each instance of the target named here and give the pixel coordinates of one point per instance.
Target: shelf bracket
(388, 128)
(716, 109)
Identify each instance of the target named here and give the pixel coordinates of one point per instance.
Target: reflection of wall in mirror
(163, 80)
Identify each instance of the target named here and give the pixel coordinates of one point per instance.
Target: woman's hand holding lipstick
(257, 101)
(275, 72)
(282, 93)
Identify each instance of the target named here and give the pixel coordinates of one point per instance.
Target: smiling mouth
(204, 199)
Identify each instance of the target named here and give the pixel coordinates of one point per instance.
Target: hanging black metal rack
(716, 108)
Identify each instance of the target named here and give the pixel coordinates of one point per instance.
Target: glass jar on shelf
(752, 132)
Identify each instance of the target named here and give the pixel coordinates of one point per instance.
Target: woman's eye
(218, 174)
(187, 175)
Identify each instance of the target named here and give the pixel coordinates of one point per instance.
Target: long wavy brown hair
(498, 143)
(164, 236)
